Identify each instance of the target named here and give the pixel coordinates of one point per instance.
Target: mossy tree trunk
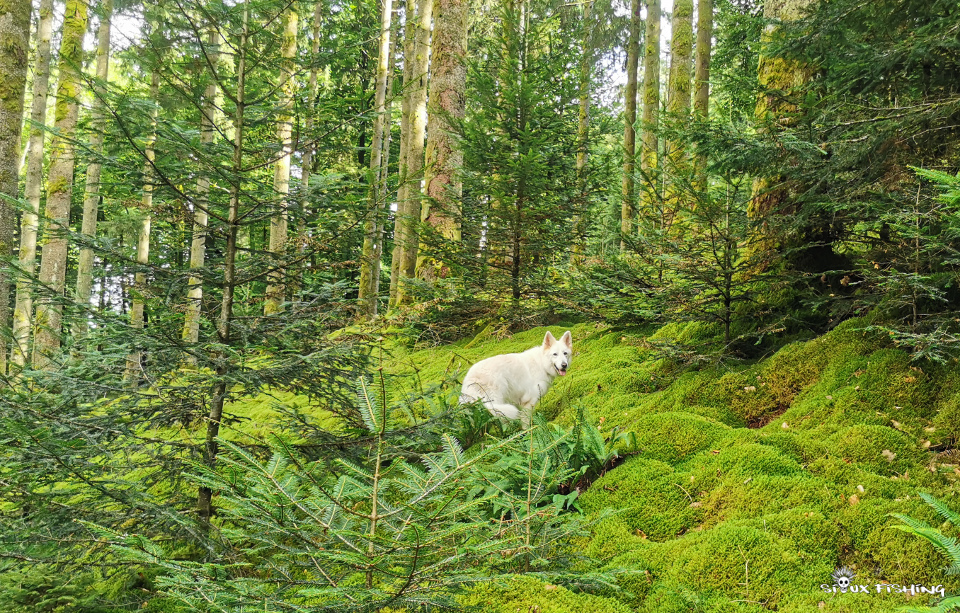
(678, 100)
(780, 81)
(628, 209)
(444, 158)
(649, 195)
(276, 288)
(91, 189)
(23, 312)
(15, 46)
(372, 235)
(701, 77)
(53, 263)
(408, 213)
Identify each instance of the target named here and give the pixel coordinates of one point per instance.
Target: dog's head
(558, 353)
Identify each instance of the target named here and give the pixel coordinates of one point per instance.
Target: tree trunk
(583, 130)
(53, 263)
(448, 81)
(417, 91)
(310, 145)
(15, 42)
(400, 219)
(211, 448)
(649, 195)
(23, 312)
(701, 77)
(628, 209)
(276, 290)
(678, 100)
(143, 238)
(91, 190)
(780, 81)
(201, 215)
(372, 244)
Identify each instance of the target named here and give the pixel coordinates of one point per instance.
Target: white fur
(506, 382)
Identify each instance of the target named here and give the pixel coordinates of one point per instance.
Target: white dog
(505, 381)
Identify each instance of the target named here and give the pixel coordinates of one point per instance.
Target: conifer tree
(628, 208)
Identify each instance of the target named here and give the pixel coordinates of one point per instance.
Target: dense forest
(250, 248)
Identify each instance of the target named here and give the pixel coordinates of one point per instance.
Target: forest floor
(751, 482)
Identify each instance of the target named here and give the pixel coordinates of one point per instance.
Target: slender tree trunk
(678, 99)
(448, 82)
(701, 79)
(91, 190)
(23, 312)
(649, 195)
(583, 130)
(372, 245)
(205, 494)
(15, 43)
(414, 159)
(400, 223)
(143, 238)
(628, 209)
(309, 122)
(53, 263)
(201, 216)
(281, 171)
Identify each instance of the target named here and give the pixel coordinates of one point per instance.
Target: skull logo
(842, 577)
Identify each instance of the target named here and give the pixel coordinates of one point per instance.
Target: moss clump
(877, 448)
(529, 594)
(673, 436)
(648, 497)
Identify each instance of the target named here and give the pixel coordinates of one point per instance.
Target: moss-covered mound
(750, 483)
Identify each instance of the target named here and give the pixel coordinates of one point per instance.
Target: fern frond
(942, 509)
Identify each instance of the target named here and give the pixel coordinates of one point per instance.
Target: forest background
(239, 238)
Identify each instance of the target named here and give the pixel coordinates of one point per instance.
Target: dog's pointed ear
(566, 339)
(548, 340)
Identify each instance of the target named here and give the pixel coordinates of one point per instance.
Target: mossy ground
(750, 483)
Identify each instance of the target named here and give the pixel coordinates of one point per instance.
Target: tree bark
(143, 238)
(701, 77)
(628, 208)
(448, 82)
(15, 42)
(400, 220)
(53, 263)
(201, 216)
(27, 261)
(583, 130)
(276, 289)
(780, 81)
(409, 213)
(91, 189)
(372, 242)
(678, 100)
(649, 195)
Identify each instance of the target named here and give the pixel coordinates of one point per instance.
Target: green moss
(878, 448)
(529, 594)
(671, 437)
(648, 496)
